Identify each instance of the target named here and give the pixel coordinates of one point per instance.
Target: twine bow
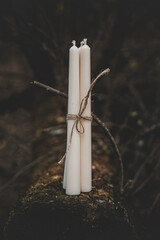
(79, 117)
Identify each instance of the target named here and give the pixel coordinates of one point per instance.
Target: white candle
(85, 81)
(72, 163)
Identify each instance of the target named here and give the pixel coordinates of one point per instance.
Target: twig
(141, 168)
(154, 203)
(24, 169)
(138, 98)
(50, 89)
(44, 34)
(115, 147)
(150, 129)
(141, 186)
(99, 122)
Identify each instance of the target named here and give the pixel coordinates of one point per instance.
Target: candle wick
(74, 43)
(85, 41)
(82, 43)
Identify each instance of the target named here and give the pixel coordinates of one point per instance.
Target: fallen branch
(45, 210)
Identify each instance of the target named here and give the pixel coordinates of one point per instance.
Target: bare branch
(50, 89)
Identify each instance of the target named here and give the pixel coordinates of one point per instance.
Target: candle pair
(78, 169)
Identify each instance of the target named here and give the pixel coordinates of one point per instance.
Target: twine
(79, 117)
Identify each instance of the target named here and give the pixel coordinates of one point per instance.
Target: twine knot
(78, 121)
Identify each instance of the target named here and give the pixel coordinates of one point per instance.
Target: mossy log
(46, 212)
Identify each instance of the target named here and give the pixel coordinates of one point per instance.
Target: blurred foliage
(124, 35)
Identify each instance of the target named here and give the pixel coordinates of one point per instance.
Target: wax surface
(85, 80)
(71, 180)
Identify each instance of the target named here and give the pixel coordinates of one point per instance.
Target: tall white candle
(71, 180)
(85, 81)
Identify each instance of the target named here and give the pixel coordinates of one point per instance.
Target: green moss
(45, 206)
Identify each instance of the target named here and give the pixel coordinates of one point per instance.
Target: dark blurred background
(123, 35)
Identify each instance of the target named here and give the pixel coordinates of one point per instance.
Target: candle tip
(74, 43)
(85, 41)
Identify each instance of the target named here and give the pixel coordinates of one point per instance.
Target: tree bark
(46, 212)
